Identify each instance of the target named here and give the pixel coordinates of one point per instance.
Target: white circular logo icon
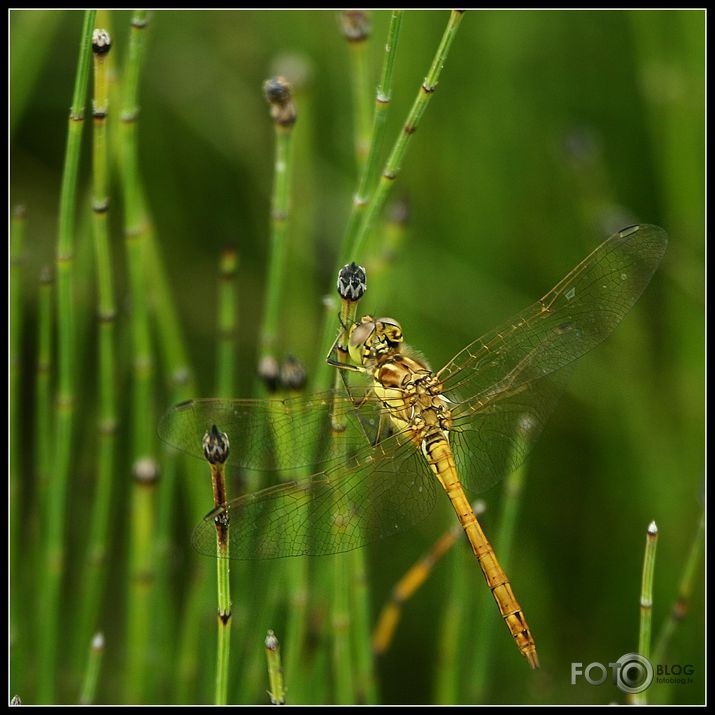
(634, 673)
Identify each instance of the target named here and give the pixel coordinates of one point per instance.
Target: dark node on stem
(399, 212)
(99, 113)
(216, 446)
(269, 372)
(292, 374)
(278, 94)
(146, 470)
(410, 128)
(352, 282)
(224, 616)
(100, 207)
(355, 24)
(107, 316)
(222, 519)
(680, 608)
(101, 42)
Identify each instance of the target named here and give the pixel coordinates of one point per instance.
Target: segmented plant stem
(365, 685)
(357, 32)
(342, 626)
(368, 170)
(96, 566)
(685, 589)
(275, 671)
(280, 208)
(143, 536)
(397, 154)
(91, 676)
(357, 233)
(227, 308)
(17, 231)
(58, 486)
(480, 664)
(447, 687)
(646, 602)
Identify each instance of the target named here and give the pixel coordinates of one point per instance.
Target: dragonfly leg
(345, 366)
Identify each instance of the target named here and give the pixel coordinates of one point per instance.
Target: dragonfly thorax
(374, 338)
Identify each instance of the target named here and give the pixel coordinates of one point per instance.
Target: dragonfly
(411, 431)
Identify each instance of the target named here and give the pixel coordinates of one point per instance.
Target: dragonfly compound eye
(361, 337)
(390, 330)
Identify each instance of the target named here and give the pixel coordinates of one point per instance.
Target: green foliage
(547, 131)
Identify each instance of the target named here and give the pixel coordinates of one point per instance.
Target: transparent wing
(288, 434)
(496, 439)
(377, 495)
(567, 322)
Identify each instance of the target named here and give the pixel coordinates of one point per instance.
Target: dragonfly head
(373, 338)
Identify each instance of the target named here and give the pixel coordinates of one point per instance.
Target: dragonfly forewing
(571, 319)
(289, 435)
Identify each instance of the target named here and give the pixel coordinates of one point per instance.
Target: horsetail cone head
(352, 282)
(101, 41)
(216, 446)
(292, 374)
(279, 94)
(355, 25)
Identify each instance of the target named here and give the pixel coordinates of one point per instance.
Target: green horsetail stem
(292, 381)
(216, 451)
(278, 94)
(96, 565)
(397, 155)
(275, 671)
(94, 664)
(227, 328)
(17, 233)
(43, 414)
(369, 168)
(351, 287)
(646, 602)
(478, 670)
(356, 30)
(66, 365)
(685, 589)
(142, 552)
(356, 235)
(451, 644)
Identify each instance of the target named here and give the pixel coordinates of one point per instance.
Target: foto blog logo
(631, 673)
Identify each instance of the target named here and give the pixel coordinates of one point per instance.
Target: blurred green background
(548, 131)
